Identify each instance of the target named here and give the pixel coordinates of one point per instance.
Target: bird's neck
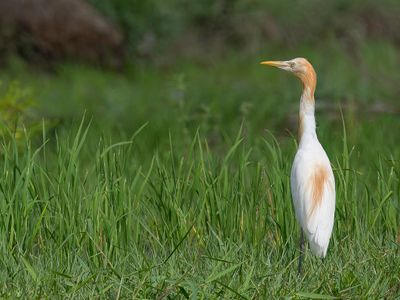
(306, 113)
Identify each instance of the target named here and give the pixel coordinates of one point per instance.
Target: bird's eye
(292, 64)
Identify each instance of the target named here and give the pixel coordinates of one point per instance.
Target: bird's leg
(301, 250)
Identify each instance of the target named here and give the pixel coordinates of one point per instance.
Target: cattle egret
(312, 181)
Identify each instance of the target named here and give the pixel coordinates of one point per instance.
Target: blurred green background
(184, 65)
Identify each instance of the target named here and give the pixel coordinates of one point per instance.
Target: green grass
(176, 184)
(189, 224)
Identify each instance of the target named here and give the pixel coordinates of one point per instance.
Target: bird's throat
(307, 115)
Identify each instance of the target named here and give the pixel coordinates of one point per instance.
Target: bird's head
(300, 67)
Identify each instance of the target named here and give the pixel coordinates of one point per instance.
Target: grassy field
(176, 182)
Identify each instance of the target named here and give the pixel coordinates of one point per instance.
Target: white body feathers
(314, 205)
(312, 181)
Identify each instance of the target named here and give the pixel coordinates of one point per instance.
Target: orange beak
(278, 64)
(271, 63)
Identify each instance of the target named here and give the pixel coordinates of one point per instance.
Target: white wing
(313, 192)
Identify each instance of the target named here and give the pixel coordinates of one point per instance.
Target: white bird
(312, 180)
